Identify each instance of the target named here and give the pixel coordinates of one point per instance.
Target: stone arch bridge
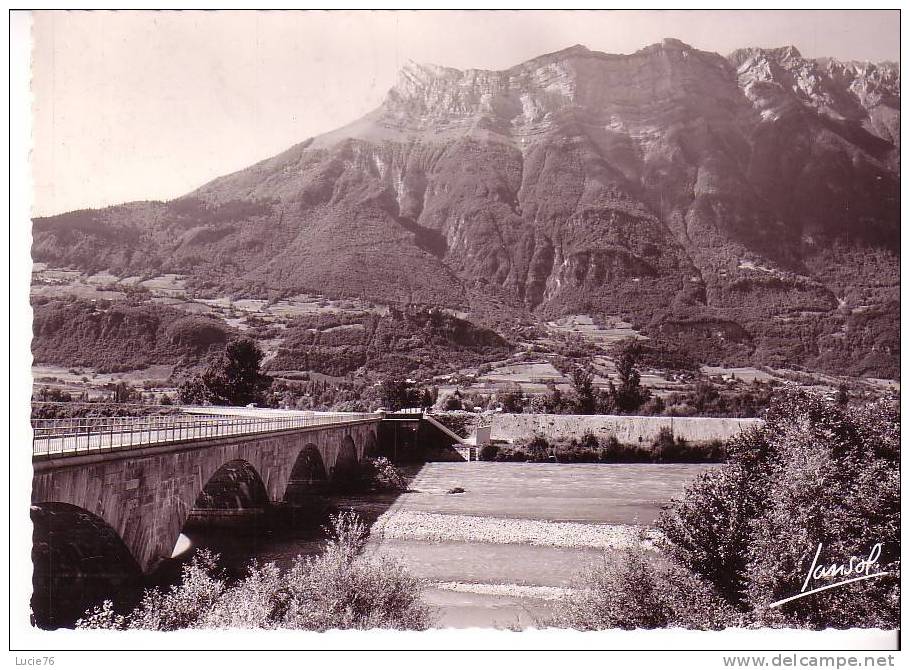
(145, 487)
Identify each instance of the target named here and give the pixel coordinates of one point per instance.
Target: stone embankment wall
(627, 429)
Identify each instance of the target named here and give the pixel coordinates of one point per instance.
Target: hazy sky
(150, 105)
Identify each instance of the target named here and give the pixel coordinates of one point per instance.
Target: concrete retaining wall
(627, 429)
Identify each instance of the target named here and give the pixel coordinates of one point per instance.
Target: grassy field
(78, 380)
(613, 331)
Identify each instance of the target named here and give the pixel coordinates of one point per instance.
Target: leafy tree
(843, 396)
(511, 401)
(232, 377)
(606, 400)
(453, 402)
(654, 406)
(124, 393)
(583, 385)
(48, 394)
(706, 395)
(427, 398)
(630, 395)
(193, 391)
(349, 406)
(397, 393)
(553, 402)
(539, 404)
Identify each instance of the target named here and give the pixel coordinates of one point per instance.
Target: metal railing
(85, 435)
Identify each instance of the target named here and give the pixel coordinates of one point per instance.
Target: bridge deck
(70, 437)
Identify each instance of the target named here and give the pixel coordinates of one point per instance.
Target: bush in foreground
(816, 473)
(639, 589)
(745, 534)
(340, 588)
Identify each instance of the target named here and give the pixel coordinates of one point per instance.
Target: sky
(151, 105)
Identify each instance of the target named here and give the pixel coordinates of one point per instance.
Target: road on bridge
(68, 437)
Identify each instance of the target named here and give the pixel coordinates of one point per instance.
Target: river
(496, 555)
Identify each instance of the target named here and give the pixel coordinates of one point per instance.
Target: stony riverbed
(501, 553)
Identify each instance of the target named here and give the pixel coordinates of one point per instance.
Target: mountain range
(745, 208)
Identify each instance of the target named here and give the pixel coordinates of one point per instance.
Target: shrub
(538, 449)
(489, 452)
(385, 476)
(637, 589)
(586, 450)
(511, 401)
(511, 455)
(714, 451)
(667, 449)
(708, 531)
(613, 451)
(815, 473)
(663, 441)
(589, 441)
(453, 403)
(340, 588)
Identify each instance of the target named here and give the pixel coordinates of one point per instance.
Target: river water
(496, 555)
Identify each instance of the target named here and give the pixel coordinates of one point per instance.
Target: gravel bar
(430, 527)
(511, 590)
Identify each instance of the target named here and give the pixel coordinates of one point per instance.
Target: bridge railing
(64, 437)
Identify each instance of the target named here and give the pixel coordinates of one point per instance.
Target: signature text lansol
(854, 570)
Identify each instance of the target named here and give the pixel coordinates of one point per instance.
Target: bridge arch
(224, 479)
(235, 485)
(77, 558)
(308, 476)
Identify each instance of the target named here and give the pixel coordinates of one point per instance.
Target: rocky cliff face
(707, 198)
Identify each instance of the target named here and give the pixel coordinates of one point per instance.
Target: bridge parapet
(54, 438)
